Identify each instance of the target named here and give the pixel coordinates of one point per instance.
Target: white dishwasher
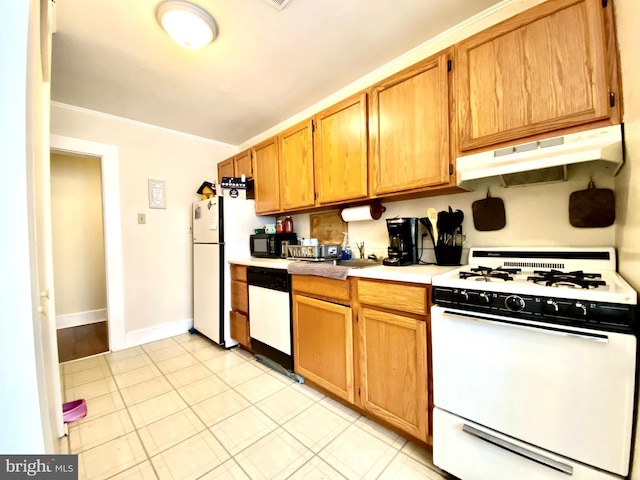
(270, 314)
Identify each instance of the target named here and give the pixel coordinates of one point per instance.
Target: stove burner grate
(487, 273)
(556, 278)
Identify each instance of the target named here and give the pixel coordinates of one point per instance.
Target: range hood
(547, 160)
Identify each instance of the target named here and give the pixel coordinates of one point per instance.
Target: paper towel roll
(366, 212)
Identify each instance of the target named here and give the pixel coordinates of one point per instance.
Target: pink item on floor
(74, 411)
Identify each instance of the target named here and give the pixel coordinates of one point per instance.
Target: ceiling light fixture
(187, 24)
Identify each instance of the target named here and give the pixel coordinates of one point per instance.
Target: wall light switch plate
(142, 218)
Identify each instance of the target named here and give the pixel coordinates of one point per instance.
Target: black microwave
(269, 245)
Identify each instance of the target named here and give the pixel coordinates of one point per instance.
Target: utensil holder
(448, 254)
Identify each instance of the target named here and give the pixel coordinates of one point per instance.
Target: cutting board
(327, 227)
(488, 214)
(592, 208)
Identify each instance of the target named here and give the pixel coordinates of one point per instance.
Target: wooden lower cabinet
(366, 342)
(393, 370)
(240, 328)
(323, 344)
(239, 314)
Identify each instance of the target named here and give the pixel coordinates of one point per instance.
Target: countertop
(409, 273)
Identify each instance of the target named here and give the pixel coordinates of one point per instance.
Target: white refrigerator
(221, 229)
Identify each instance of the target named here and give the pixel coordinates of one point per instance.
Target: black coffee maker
(403, 241)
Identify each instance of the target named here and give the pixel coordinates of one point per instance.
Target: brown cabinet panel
(394, 369)
(239, 273)
(239, 326)
(225, 169)
(323, 287)
(409, 128)
(266, 176)
(394, 296)
(323, 344)
(340, 151)
(243, 164)
(296, 167)
(542, 70)
(239, 296)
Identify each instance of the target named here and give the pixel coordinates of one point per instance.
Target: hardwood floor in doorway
(82, 341)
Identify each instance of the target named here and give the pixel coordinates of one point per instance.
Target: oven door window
(563, 389)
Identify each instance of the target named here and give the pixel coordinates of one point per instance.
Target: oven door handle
(594, 337)
(523, 452)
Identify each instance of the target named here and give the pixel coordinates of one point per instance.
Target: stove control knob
(463, 296)
(514, 303)
(549, 306)
(578, 309)
(483, 299)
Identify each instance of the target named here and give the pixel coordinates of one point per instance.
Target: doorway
(107, 155)
(78, 255)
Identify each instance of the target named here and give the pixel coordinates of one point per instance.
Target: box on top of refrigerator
(237, 187)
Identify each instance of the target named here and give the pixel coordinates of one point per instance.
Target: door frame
(109, 167)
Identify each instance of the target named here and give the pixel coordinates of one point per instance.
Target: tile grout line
(144, 448)
(251, 403)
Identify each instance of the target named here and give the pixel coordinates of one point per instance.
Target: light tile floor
(184, 408)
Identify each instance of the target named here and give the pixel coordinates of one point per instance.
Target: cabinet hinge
(612, 99)
(450, 169)
(313, 126)
(449, 65)
(605, 3)
(358, 392)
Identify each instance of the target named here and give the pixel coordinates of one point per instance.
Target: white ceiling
(265, 66)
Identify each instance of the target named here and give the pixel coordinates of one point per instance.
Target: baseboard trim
(81, 318)
(146, 335)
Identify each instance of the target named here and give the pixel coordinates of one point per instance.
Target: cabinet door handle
(523, 452)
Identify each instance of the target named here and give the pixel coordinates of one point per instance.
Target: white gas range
(534, 365)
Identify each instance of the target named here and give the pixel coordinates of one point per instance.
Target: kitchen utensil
(592, 208)
(449, 226)
(488, 213)
(427, 224)
(327, 227)
(433, 219)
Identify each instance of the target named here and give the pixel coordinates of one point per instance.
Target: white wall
(78, 237)
(157, 255)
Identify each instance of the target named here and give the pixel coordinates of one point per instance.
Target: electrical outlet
(142, 218)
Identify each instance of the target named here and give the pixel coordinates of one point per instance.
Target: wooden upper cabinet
(296, 167)
(225, 169)
(236, 166)
(266, 177)
(340, 151)
(243, 164)
(409, 128)
(542, 70)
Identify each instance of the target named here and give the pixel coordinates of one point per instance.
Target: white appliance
(270, 314)
(545, 160)
(221, 229)
(534, 365)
